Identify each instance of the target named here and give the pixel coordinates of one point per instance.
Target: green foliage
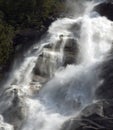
(6, 44)
(26, 13)
(22, 14)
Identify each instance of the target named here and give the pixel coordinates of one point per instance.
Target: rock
(45, 66)
(105, 91)
(96, 108)
(40, 79)
(105, 9)
(97, 116)
(76, 29)
(70, 51)
(55, 56)
(16, 113)
(48, 61)
(34, 88)
(4, 125)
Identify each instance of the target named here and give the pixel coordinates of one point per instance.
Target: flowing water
(68, 88)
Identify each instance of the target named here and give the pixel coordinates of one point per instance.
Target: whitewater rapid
(69, 88)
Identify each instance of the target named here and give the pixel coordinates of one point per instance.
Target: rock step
(52, 57)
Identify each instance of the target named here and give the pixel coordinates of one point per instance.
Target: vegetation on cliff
(18, 15)
(6, 43)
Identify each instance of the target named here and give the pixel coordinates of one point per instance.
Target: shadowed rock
(94, 117)
(4, 125)
(16, 113)
(70, 52)
(105, 9)
(105, 91)
(56, 55)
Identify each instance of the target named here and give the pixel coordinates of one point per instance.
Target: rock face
(55, 55)
(105, 9)
(105, 91)
(98, 116)
(22, 41)
(4, 125)
(16, 112)
(70, 52)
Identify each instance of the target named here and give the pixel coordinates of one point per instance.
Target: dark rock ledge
(105, 9)
(98, 116)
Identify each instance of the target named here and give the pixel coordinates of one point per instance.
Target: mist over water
(71, 87)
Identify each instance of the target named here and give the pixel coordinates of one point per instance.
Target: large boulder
(56, 55)
(46, 63)
(98, 116)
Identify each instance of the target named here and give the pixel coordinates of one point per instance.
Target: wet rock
(4, 125)
(16, 113)
(70, 52)
(94, 117)
(76, 28)
(45, 66)
(55, 56)
(48, 61)
(40, 79)
(105, 9)
(96, 108)
(34, 88)
(105, 91)
(48, 46)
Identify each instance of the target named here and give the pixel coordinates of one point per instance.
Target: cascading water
(69, 63)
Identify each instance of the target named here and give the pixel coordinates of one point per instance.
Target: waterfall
(60, 78)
